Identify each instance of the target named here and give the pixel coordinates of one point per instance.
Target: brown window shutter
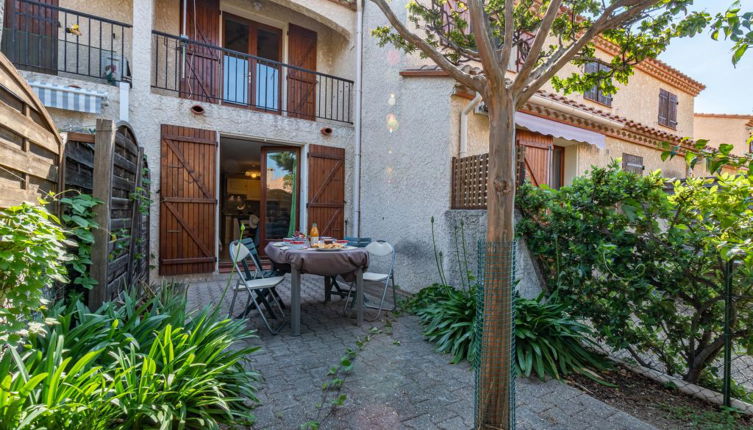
(672, 110)
(632, 163)
(593, 92)
(663, 104)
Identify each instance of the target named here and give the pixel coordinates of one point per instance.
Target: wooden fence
(469, 182)
(112, 167)
(30, 147)
(470, 176)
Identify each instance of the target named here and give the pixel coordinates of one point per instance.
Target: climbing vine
(78, 218)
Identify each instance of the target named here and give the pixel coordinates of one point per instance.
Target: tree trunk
(496, 400)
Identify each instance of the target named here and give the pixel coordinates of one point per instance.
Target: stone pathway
(398, 381)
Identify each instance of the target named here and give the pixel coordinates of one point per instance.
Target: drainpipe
(464, 124)
(357, 122)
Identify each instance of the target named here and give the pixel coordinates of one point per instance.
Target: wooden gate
(301, 84)
(326, 194)
(112, 167)
(188, 200)
(203, 71)
(537, 149)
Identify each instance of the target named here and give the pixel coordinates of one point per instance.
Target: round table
(348, 263)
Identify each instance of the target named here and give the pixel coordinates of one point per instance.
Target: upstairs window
(595, 94)
(632, 163)
(668, 109)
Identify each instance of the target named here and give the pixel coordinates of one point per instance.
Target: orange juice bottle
(314, 234)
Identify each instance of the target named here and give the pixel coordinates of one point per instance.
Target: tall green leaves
(79, 219)
(136, 365)
(32, 258)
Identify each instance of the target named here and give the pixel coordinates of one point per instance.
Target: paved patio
(398, 381)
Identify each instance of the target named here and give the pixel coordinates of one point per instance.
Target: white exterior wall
(405, 173)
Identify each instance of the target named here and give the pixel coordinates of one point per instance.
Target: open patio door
(280, 195)
(188, 200)
(326, 194)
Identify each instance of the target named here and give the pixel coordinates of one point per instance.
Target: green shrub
(139, 364)
(32, 259)
(646, 266)
(548, 342)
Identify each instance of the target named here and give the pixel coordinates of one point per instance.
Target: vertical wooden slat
(326, 190)
(104, 143)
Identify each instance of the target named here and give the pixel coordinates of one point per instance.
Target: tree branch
(509, 31)
(538, 43)
(563, 56)
(475, 82)
(488, 52)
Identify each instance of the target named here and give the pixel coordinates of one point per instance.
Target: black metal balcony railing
(53, 40)
(212, 74)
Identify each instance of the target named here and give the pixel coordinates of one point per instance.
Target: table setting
(323, 256)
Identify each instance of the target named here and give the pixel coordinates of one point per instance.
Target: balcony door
(30, 38)
(251, 81)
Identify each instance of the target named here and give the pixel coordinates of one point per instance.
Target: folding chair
(331, 283)
(381, 250)
(251, 284)
(259, 272)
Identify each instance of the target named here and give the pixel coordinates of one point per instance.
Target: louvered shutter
(663, 104)
(672, 110)
(603, 98)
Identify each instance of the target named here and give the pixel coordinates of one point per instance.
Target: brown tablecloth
(344, 263)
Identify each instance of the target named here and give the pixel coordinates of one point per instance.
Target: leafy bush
(646, 266)
(547, 341)
(79, 219)
(32, 258)
(140, 364)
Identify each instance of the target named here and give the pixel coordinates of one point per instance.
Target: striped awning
(69, 98)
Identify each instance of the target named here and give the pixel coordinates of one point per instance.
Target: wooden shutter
(663, 107)
(187, 200)
(301, 84)
(203, 71)
(31, 40)
(672, 110)
(632, 163)
(326, 194)
(603, 98)
(536, 160)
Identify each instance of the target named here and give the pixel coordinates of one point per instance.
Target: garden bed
(660, 405)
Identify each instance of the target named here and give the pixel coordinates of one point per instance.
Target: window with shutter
(595, 93)
(668, 109)
(632, 163)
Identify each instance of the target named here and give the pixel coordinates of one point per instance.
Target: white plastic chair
(379, 249)
(250, 283)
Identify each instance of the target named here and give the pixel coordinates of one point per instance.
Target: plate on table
(328, 249)
(279, 244)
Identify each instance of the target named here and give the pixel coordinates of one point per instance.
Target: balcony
(49, 39)
(212, 74)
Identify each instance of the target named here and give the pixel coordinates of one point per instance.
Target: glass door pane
(234, 66)
(280, 182)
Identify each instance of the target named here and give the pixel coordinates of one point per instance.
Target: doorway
(259, 192)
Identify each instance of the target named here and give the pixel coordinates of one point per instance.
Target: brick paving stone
(391, 386)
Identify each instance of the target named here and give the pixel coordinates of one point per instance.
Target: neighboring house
(248, 109)
(724, 128)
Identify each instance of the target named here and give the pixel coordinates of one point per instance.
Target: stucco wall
(406, 172)
(721, 129)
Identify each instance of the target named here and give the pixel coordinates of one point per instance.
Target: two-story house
(275, 114)
(725, 128)
(245, 108)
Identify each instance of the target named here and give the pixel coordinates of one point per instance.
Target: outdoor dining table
(349, 263)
